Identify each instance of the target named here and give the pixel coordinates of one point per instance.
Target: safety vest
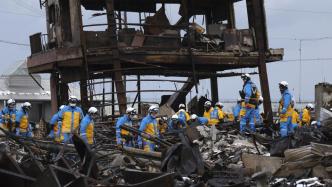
(305, 117)
(8, 118)
(149, 126)
(22, 118)
(70, 118)
(295, 117)
(215, 116)
(182, 114)
(289, 112)
(208, 113)
(255, 94)
(90, 133)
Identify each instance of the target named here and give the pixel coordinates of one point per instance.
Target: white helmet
(174, 117)
(239, 99)
(283, 83)
(27, 105)
(131, 111)
(92, 110)
(193, 116)
(245, 76)
(261, 99)
(72, 98)
(153, 108)
(10, 101)
(207, 103)
(310, 106)
(61, 107)
(220, 104)
(182, 106)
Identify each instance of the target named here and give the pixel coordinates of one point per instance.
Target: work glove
(147, 136)
(140, 145)
(17, 131)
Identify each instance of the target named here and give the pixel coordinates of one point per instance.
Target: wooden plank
(257, 163)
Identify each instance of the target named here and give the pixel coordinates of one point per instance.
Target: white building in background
(19, 85)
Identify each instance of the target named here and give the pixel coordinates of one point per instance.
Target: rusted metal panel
(138, 40)
(54, 55)
(35, 43)
(97, 39)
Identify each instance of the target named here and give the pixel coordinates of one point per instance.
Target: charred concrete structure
(70, 53)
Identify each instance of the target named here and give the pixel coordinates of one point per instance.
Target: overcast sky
(288, 21)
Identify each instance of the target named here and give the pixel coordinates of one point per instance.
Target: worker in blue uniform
(149, 126)
(69, 119)
(124, 137)
(250, 95)
(176, 123)
(87, 125)
(54, 125)
(8, 115)
(285, 109)
(23, 127)
(195, 120)
(183, 115)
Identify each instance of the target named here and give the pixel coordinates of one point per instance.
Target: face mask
(11, 106)
(93, 116)
(154, 114)
(72, 104)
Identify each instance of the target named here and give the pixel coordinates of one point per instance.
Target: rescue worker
(220, 107)
(184, 117)
(250, 95)
(306, 115)
(295, 119)
(195, 120)
(237, 109)
(8, 116)
(285, 109)
(162, 125)
(87, 126)
(207, 109)
(216, 115)
(54, 125)
(23, 128)
(175, 124)
(149, 126)
(69, 119)
(124, 137)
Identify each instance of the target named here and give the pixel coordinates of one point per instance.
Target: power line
(299, 11)
(308, 59)
(304, 39)
(14, 43)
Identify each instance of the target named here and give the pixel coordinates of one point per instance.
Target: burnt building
(71, 51)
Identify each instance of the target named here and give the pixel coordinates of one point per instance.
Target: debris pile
(227, 148)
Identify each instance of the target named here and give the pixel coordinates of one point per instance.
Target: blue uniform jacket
(122, 120)
(148, 125)
(203, 120)
(247, 91)
(287, 98)
(7, 111)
